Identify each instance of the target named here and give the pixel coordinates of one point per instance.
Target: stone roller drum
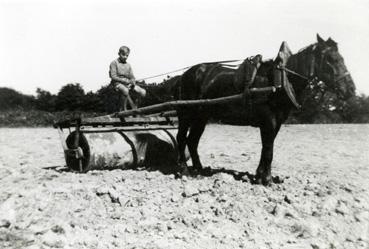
(151, 146)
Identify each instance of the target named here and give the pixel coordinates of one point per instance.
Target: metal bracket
(76, 153)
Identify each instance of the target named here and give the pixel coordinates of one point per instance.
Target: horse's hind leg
(197, 129)
(183, 126)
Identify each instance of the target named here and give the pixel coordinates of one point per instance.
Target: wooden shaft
(179, 103)
(131, 128)
(188, 103)
(172, 113)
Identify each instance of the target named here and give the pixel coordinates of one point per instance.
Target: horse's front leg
(183, 126)
(268, 132)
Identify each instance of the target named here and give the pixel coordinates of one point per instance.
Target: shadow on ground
(193, 173)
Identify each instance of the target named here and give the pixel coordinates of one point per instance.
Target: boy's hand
(131, 84)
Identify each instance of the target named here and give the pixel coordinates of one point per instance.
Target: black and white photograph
(197, 124)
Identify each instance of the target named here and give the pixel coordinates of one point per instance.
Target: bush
(10, 99)
(70, 98)
(45, 101)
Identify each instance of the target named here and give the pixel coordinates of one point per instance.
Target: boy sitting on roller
(122, 78)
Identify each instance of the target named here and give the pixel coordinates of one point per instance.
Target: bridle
(312, 78)
(323, 55)
(343, 76)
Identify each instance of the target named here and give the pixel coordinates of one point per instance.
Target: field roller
(106, 142)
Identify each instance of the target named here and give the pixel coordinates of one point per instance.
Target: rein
(185, 68)
(310, 81)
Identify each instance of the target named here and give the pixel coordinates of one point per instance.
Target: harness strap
(292, 72)
(289, 88)
(255, 61)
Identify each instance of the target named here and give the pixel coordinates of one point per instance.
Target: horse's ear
(285, 49)
(320, 39)
(331, 43)
(284, 53)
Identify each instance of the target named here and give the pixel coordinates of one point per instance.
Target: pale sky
(48, 44)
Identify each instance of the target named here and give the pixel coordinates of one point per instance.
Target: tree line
(72, 98)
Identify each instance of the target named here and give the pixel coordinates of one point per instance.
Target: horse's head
(330, 68)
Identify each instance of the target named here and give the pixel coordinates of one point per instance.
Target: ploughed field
(322, 203)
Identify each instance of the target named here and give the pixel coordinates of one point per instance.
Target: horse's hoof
(197, 166)
(267, 181)
(185, 172)
(206, 171)
(263, 180)
(257, 181)
(195, 171)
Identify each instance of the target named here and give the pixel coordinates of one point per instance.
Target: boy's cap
(124, 49)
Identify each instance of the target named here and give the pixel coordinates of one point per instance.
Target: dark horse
(267, 111)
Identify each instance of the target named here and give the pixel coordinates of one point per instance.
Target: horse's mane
(306, 48)
(298, 60)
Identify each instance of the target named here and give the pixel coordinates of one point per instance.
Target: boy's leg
(131, 103)
(124, 103)
(125, 96)
(139, 93)
(140, 90)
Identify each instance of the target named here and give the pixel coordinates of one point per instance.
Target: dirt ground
(322, 203)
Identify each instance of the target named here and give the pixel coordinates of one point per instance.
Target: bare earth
(323, 202)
